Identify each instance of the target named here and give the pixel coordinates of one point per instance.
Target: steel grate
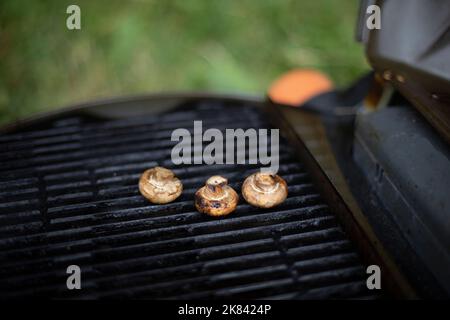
(68, 195)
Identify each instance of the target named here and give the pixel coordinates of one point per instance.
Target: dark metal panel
(409, 169)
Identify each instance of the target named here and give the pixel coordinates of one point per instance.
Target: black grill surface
(69, 195)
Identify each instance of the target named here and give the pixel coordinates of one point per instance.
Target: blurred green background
(148, 46)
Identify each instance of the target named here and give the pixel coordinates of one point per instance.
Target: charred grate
(68, 195)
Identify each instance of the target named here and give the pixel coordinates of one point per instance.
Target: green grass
(150, 46)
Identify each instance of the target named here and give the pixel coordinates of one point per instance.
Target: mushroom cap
(216, 198)
(264, 190)
(159, 185)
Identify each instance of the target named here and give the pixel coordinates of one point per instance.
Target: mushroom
(159, 185)
(264, 190)
(216, 198)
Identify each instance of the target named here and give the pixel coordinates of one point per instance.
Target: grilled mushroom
(159, 185)
(216, 198)
(264, 190)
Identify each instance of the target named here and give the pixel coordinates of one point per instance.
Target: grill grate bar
(167, 275)
(88, 146)
(158, 233)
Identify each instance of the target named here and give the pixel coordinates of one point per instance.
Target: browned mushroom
(264, 190)
(159, 185)
(216, 198)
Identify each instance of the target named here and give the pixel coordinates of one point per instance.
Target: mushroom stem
(216, 198)
(162, 174)
(264, 190)
(214, 187)
(265, 182)
(159, 185)
(159, 177)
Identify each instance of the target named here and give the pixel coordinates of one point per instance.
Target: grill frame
(334, 187)
(96, 110)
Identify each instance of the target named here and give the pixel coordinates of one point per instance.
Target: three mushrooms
(264, 190)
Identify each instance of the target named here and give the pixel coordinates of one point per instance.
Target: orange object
(298, 86)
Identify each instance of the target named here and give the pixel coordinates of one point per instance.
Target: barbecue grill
(69, 196)
(366, 169)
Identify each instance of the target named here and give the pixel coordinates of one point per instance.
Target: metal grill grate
(68, 195)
